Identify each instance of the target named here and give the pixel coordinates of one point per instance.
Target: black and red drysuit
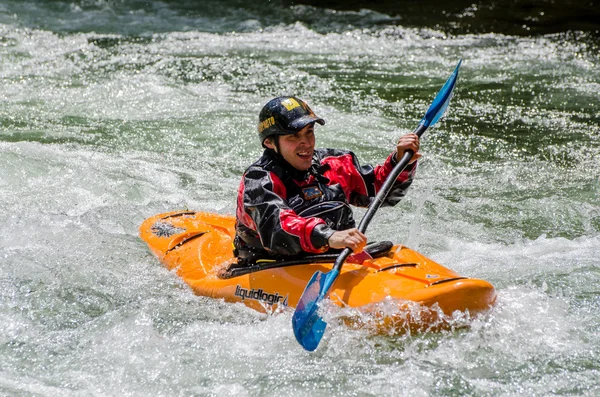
(282, 211)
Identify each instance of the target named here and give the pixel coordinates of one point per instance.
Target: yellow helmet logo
(266, 124)
(290, 104)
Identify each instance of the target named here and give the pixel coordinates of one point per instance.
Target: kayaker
(295, 198)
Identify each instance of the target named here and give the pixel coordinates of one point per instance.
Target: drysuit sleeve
(262, 207)
(361, 183)
(402, 183)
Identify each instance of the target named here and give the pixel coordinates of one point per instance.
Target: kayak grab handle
(178, 214)
(186, 239)
(446, 280)
(397, 265)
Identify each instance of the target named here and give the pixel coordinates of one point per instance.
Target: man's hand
(350, 238)
(408, 142)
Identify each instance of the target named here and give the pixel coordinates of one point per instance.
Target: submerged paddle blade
(442, 100)
(308, 325)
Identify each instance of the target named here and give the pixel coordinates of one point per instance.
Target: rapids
(113, 111)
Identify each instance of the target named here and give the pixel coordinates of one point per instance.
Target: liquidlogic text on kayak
(198, 247)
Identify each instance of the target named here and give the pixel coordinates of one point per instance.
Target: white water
(100, 130)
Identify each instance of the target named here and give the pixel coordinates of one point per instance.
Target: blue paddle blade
(308, 325)
(441, 100)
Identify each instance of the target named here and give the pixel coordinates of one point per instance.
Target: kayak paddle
(308, 325)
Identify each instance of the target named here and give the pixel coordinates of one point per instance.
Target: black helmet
(283, 116)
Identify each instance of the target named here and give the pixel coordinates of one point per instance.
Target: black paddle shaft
(381, 196)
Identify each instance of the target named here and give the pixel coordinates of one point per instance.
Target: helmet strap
(276, 143)
(274, 140)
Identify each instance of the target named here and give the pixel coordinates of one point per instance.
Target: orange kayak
(198, 246)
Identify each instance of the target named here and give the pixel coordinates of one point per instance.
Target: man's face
(297, 149)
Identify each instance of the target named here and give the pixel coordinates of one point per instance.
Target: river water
(113, 111)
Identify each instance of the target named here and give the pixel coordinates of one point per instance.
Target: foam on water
(102, 125)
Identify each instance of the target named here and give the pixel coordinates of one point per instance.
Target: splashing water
(115, 111)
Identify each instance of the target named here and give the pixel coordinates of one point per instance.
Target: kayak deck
(198, 246)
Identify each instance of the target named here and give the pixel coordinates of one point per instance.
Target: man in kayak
(295, 199)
